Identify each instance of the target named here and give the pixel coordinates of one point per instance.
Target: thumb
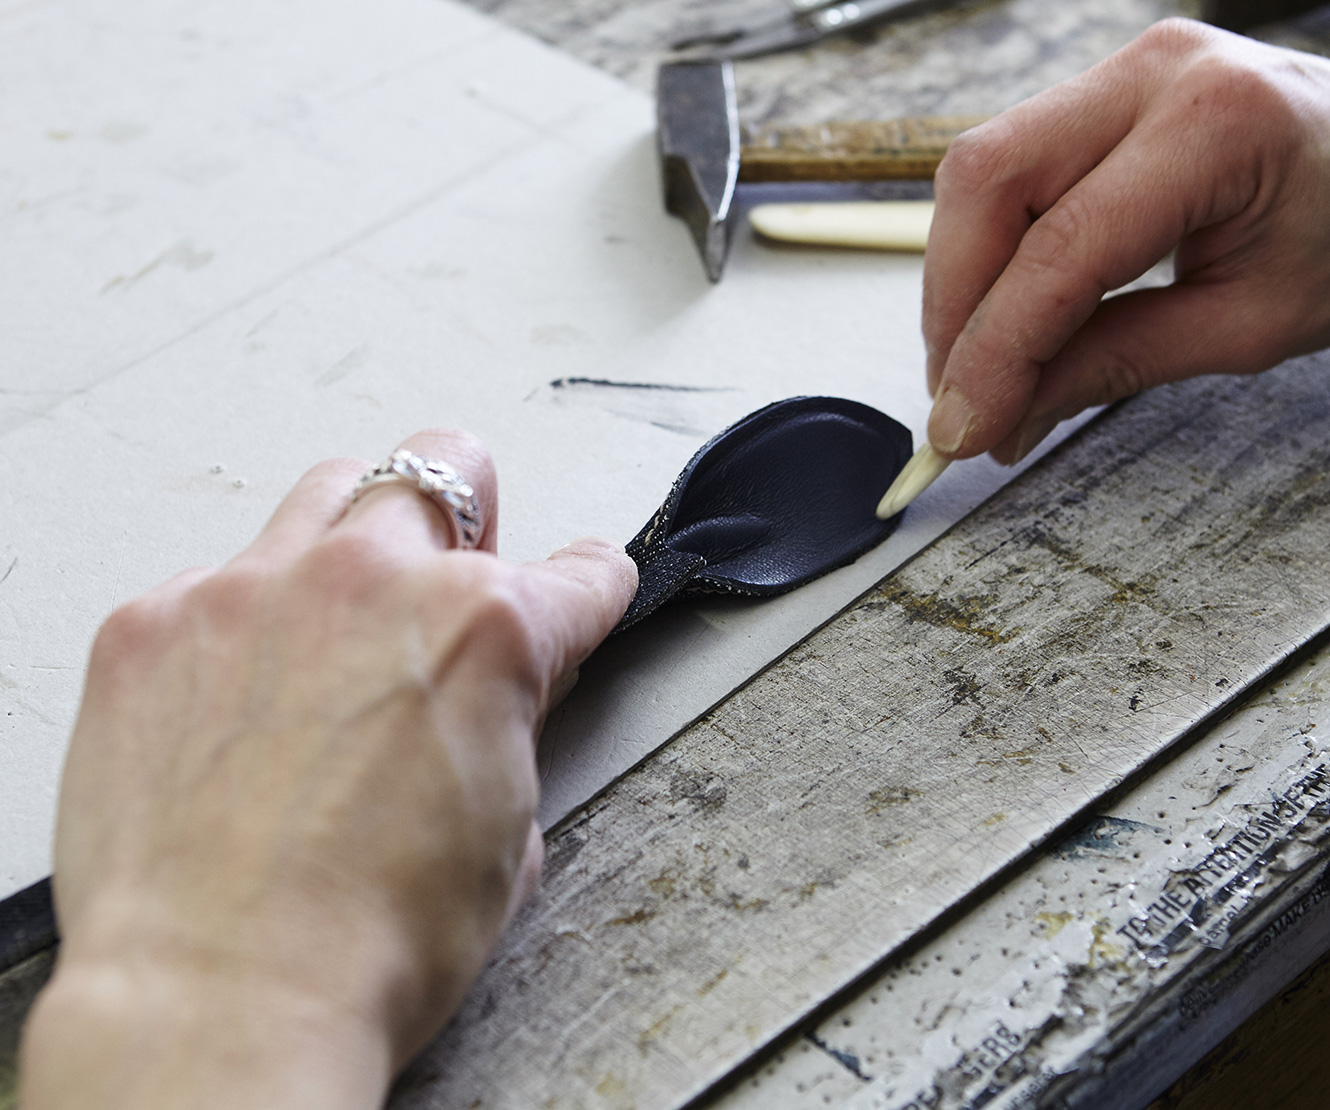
(1136, 341)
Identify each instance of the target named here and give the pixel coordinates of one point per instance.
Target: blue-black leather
(774, 501)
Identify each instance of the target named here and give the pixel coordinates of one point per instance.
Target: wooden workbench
(980, 57)
(799, 901)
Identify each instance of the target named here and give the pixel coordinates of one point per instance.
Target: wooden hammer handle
(861, 150)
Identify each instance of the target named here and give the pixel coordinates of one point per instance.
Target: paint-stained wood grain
(853, 150)
(1049, 646)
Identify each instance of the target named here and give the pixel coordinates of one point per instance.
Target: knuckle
(131, 630)
(1055, 243)
(1249, 115)
(1119, 375)
(145, 625)
(230, 597)
(497, 616)
(472, 454)
(976, 160)
(466, 440)
(1215, 78)
(336, 469)
(1228, 88)
(346, 566)
(1174, 37)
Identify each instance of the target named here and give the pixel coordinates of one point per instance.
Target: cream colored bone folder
(889, 225)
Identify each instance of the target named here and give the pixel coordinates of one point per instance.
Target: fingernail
(1033, 434)
(950, 422)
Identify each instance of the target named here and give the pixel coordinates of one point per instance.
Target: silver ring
(436, 480)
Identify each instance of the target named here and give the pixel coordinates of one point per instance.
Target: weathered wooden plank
(1049, 646)
(1118, 956)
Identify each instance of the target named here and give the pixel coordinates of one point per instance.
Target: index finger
(998, 178)
(1165, 180)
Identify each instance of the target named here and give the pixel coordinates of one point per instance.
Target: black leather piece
(776, 500)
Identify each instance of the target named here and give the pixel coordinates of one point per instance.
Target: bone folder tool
(917, 475)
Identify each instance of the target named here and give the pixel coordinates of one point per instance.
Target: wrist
(138, 1033)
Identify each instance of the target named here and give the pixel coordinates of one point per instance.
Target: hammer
(703, 160)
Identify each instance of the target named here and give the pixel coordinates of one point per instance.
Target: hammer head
(698, 132)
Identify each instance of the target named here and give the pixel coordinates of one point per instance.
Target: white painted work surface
(237, 238)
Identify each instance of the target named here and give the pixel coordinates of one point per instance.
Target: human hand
(1188, 138)
(298, 804)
